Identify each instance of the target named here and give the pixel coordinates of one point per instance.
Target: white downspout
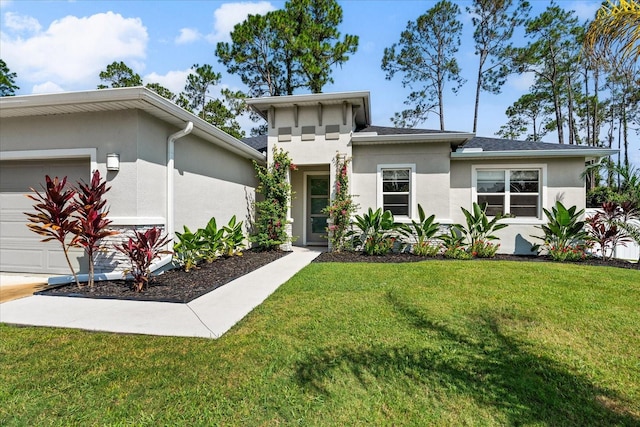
(170, 227)
(169, 221)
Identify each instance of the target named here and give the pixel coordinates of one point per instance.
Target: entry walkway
(208, 316)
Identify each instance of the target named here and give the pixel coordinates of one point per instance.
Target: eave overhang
(453, 138)
(139, 98)
(587, 153)
(359, 99)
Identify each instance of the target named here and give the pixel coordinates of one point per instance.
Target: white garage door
(21, 250)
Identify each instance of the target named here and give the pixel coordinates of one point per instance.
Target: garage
(21, 249)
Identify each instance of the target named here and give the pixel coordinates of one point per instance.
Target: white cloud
(48, 87)
(19, 23)
(522, 82)
(585, 10)
(188, 35)
(230, 14)
(173, 80)
(72, 51)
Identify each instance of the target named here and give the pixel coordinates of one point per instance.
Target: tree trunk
(483, 56)
(572, 135)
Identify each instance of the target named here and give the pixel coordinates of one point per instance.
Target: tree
(526, 113)
(285, 50)
(162, 91)
(494, 23)
(118, 74)
(8, 85)
(221, 113)
(550, 55)
(613, 37)
(425, 57)
(317, 46)
(198, 84)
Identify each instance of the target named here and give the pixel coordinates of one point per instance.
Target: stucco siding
(432, 174)
(562, 182)
(210, 181)
(107, 132)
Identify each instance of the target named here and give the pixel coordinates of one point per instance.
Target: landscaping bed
(176, 285)
(352, 256)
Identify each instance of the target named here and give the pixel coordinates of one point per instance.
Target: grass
(435, 343)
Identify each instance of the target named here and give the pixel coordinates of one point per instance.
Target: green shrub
(187, 251)
(483, 249)
(568, 253)
(341, 208)
(212, 240)
(271, 213)
(564, 229)
(426, 248)
(378, 232)
(233, 239)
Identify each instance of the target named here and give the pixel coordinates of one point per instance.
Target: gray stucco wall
(563, 183)
(209, 180)
(432, 174)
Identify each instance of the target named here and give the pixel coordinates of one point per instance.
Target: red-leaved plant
(141, 251)
(92, 218)
(54, 218)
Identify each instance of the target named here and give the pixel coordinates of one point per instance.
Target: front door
(317, 200)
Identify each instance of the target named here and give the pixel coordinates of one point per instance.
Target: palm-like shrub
(564, 232)
(187, 251)
(477, 234)
(92, 218)
(54, 217)
(424, 231)
(377, 232)
(142, 250)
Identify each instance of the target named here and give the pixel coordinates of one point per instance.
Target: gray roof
(387, 130)
(256, 142)
(479, 142)
(498, 144)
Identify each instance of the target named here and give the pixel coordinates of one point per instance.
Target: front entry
(317, 199)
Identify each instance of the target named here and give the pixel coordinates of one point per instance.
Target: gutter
(595, 153)
(369, 138)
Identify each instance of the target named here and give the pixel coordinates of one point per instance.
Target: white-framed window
(515, 190)
(396, 189)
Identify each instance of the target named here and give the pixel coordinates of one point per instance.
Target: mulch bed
(407, 257)
(176, 285)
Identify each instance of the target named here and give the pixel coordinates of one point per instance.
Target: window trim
(542, 189)
(412, 188)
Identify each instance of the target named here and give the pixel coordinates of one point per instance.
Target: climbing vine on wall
(341, 207)
(271, 212)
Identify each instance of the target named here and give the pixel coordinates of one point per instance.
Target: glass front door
(317, 199)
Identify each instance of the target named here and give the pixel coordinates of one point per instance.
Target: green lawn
(432, 343)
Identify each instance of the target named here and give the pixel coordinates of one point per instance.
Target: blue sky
(57, 46)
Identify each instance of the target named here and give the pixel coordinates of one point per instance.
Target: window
(396, 184)
(510, 191)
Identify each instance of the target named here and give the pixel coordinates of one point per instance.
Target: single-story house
(165, 166)
(168, 168)
(397, 169)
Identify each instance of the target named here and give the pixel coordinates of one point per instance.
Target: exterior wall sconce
(113, 162)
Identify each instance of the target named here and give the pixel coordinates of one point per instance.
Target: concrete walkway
(209, 316)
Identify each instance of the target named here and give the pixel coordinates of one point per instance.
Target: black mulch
(175, 285)
(407, 257)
